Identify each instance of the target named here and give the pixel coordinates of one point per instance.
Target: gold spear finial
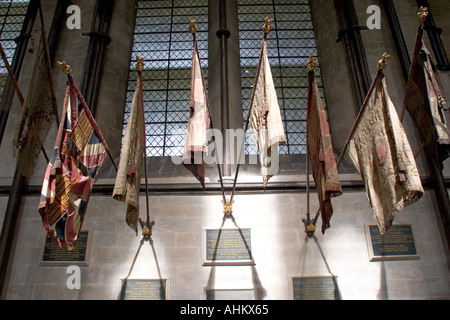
(64, 67)
(267, 25)
(192, 25)
(311, 63)
(139, 63)
(423, 14)
(382, 64)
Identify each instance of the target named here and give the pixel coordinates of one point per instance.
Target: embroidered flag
(426, 103)
(381, 153)
(195, 146)
(128, 180)
(38, 112)
(77, 156)
(320, 152)
(265, 118)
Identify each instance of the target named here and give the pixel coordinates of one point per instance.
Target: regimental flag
(128, 180)
(78, 153)
(38, 112)
(380, 151)
(426, 103)
(195, 146)
(265, 118)
(320, 152)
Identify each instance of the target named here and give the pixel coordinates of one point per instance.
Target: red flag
(321, 154)
(195, 146)
(426, 103)
(78, 153)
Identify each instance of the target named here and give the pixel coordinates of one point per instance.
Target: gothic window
(162, 38)
(12, 15)
(290, 43)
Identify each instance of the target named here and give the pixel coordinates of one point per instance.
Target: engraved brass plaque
(396, 244)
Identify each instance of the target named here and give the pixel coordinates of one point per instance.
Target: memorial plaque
(52, 254)
(230, 294)
(143, 289)
(228, 246)
(315, 288)
(396, 244)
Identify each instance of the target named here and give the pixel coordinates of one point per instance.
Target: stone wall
(279, 245)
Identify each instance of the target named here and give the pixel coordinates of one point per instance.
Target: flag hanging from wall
(195, 146)
(128, 180)
(426, 103)
(77, 156)
(380, 151)
(38, 112)
(320, 152)
(265, 118)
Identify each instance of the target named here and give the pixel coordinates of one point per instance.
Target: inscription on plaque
(228, 245)
(315, 288)
(396, 244)
(143, 289)
(231, 294)
(79, 255)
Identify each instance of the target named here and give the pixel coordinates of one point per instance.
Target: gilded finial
(139, 63)
(423, 14)
(311, 63)
(64, 67)
(228, 207)
(192, 25)
(382, 64)
(267, 25)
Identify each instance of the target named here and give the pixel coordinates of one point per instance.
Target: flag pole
(193, 31)
(18, 90)
(422, 14)
(382, 64)
(310, 226)
(67, 70)
(11, 75)
(148, 226)
(266, 29)
(49, 68)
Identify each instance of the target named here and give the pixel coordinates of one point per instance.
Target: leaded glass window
(290, 43)
(162, 38)
(12, 15)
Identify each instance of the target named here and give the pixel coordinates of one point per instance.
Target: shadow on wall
(161, 292)
(259, 291)
(315, 288)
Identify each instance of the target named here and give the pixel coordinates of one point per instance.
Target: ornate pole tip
(382, 64)
(228, 207)
(139, 63)
(311, 63)
(192, 26)
(267, 25)
(64, 67)
(423, 14)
